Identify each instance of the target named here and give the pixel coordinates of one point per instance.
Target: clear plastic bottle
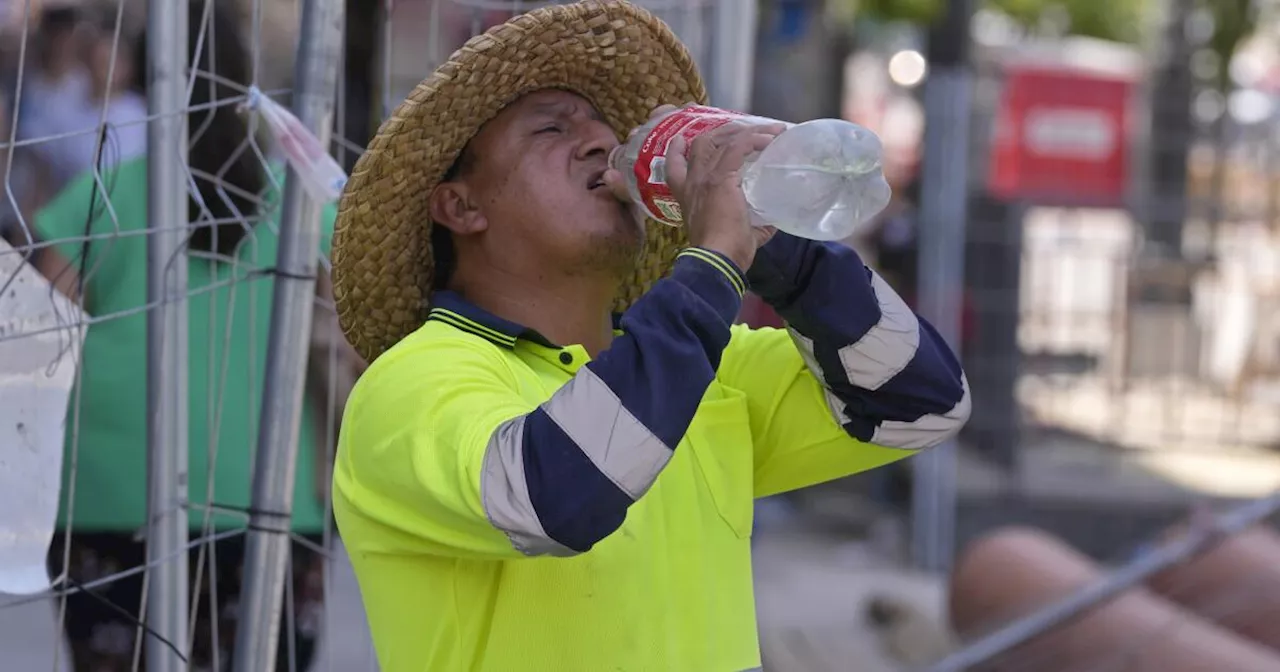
(822, 180)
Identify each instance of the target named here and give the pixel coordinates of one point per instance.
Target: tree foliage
(1233, 21)
(1106, 19)
(1118, 20)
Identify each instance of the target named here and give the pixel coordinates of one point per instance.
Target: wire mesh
(74, 166)
(94, 165)
(1099, 372)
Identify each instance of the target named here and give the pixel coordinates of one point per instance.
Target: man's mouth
(597, 181)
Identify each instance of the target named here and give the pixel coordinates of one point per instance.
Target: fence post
(943, 207)
(267, 543)
(166, 533)
(733, 47)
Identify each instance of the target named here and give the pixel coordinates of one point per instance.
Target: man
(524, 484)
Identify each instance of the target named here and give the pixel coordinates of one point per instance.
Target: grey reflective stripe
(887, 348)
(927, 431)
(882, 353)
(504, 492)
(836, 406)
(622, 448)
(804, 344)
(593, 417)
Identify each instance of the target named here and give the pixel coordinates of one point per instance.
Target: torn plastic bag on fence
(40, 342)
(321, 175)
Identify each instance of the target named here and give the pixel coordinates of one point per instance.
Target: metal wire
(1195, 542)
(232, 280)
(1144, 413)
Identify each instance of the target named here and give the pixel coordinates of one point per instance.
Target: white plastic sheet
(40, 341)
(321, 175)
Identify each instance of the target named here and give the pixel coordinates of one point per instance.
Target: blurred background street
(1097, 231)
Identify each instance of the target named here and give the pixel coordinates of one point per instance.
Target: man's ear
(451, 205)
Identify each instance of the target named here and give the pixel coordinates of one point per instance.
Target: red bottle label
(651, 173)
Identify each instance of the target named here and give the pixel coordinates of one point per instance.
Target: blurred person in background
(112, 100)
(54, 87)
(57, 75)
(45, 46)
(895, 243)
(229, 316)
(895, 240)
(12, 15)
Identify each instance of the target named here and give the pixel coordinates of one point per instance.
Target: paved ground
(813, 587)
(812, 593)
(27, 640)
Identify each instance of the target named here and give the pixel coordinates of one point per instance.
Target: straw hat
(616, 55)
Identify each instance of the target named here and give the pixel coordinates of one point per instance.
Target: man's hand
(706, 179)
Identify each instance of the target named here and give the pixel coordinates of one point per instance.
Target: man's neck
(565, 310)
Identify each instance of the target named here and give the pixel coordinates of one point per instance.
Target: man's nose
(597, 140)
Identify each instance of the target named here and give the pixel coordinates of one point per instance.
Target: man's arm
(440, 453)
(883, 374)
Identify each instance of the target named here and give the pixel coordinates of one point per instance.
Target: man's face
(100, 61)
(535, 182)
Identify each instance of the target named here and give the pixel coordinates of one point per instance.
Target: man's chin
(634, 216)
(617, 251)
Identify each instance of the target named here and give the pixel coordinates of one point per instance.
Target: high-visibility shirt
(509, 503)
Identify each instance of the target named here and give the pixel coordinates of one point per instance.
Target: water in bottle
(822, 180)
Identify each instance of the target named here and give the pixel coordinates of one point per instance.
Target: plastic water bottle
(822, 180)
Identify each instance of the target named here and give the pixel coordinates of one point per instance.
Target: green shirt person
(228, 312)
(96, 236)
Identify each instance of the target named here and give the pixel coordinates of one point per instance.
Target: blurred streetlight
(908, 68)
(1250, 106)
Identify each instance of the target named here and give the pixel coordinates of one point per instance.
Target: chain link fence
(1114, 387)
(157, 255)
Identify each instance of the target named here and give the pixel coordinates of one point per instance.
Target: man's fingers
(705, 150)
(719, 151)
(739, 148)
(771, 129)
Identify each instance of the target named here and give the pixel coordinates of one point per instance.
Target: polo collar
(451, 308)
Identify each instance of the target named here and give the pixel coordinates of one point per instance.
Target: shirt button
(565, 358)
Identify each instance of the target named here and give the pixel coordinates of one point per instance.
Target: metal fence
(194, 351)
(202, 382)
(1091, 390)
(1119, 385)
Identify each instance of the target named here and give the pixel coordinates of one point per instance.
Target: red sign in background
(1062, 138)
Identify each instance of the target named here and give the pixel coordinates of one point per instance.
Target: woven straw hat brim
(618, 56)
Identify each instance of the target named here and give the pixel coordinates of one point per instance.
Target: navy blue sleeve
(890, 378)
(597, 445)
